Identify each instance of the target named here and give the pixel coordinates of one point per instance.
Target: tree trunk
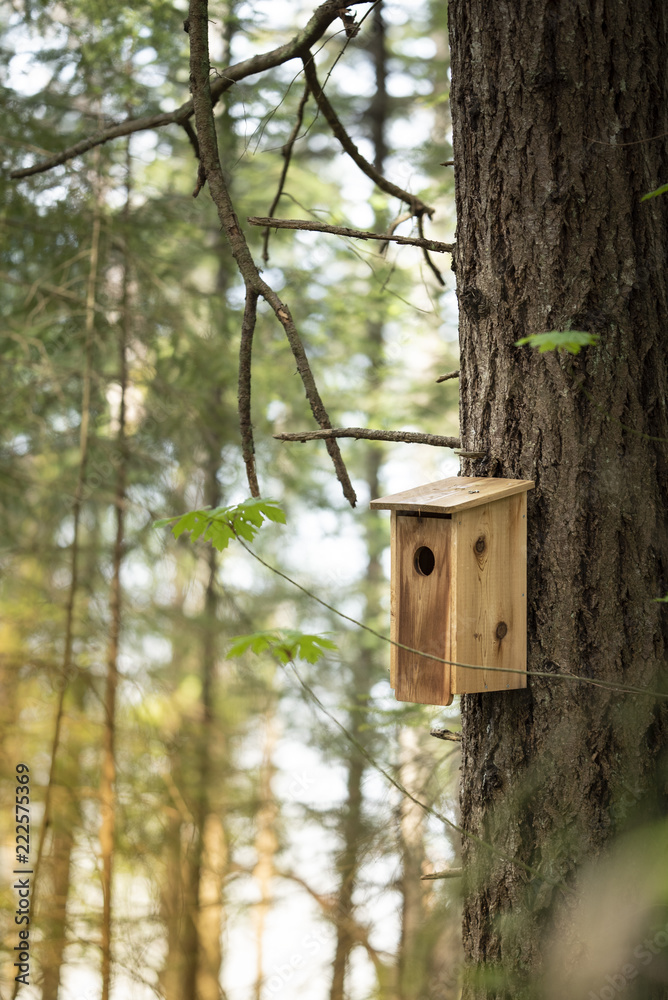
(413, 774)
(553, 107)
(108, 770)
(266, 846)
(54, 921)
(62, 844)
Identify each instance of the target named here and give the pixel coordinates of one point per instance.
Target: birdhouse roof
(453, 494)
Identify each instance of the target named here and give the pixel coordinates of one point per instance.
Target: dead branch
(448, 375)
(425, 252)
(448, 873)
(201, 88)
(417, 206)
(366, 434)
(244, 396)
(299, 45)
(357, 234)
(446, 734)
(402, 217)
(286, 153)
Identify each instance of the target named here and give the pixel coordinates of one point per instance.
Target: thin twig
(367, 434)
(357, 234)
(244, 397)
(286, 153)
(299, 45)
(446, 734)
(425, 252)
(618, 145)
(448, 375)
(200, 84)
(448, 873)
(417, 206)
(402, 217)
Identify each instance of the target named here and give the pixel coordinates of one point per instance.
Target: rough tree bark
(553, 107)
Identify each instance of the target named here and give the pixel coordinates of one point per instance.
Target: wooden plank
(490, 612)
(422, 610)
(453, 494)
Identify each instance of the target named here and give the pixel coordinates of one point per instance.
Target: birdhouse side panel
(490, 558)
(394, 595)
(422, 582)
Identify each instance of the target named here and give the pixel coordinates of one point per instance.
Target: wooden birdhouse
(458, 589)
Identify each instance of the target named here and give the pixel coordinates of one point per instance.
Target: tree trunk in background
(211, 909)
(202, 964)
(108, 771)
(550, 104)
(266, 846)
(172, 908)
(55, 794)
(413, 775)
(54, 923)
(350, 858)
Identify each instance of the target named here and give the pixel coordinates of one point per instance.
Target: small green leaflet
(219, 525)
(662, 600)
(655, 194)
(559, 340)
(284, 643)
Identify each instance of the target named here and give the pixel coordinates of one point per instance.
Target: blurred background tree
(199, 827)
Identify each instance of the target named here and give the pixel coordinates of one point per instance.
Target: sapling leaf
(646, 197)
(220, 525)
(559, 340)
(284, 644)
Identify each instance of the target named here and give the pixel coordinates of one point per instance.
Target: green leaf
(559, 340)
(662, 600)
(220, 525)
(646, 197)
(284, 644)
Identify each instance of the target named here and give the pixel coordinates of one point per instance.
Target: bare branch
(245, 424)
(286, 153)
(201, 89)
(425, 252)
(402, 217)
(448, 873)
(367, 434)
(446, 734)
(299, 45)
(448, 375)
(417, 206)
(356, 234)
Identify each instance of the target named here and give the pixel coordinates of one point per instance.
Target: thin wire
(606, 685)
(533, 872)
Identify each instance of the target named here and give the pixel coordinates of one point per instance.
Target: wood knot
(480, 544)
(501, 630)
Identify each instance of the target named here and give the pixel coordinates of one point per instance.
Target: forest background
(201, 825)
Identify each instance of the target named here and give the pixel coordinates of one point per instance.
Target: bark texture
(553, 105)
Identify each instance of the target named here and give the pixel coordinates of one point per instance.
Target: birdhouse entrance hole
(424, 560)
(458, 592)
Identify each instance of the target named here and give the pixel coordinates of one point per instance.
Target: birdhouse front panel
(458, 588)
(421, 604)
